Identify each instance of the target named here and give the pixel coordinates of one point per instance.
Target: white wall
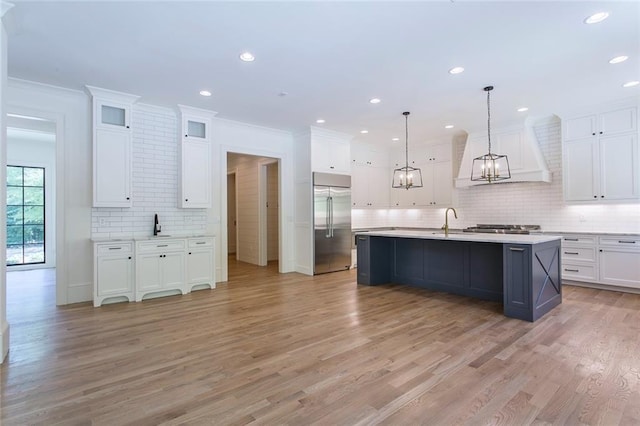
(36, 153)
(524, 203)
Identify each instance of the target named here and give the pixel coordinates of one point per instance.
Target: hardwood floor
(271, 349)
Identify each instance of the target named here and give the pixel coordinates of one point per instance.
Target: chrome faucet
(446, 219)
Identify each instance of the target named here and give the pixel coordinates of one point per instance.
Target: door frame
(60, 257)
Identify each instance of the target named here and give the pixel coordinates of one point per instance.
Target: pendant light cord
(489, 116)
(406, 140)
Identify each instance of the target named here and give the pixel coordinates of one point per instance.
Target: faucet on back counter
(446, 219)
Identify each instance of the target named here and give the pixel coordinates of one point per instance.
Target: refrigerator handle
(331, 219)
(328, 218)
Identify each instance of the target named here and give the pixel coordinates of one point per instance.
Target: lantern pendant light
(490, 167)
(407, 177)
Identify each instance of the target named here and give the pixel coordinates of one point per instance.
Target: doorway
(232, 228)
(253, 214)
(31, 210)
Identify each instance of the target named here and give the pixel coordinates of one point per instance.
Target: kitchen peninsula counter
(522, 271)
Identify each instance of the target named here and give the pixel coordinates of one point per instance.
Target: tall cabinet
(112, 140)
(195, 157)
(600, 156)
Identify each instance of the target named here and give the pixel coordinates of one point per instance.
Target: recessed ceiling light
(631, 83)
(320, 121)
(618, 59)
(456, 70)
(374, 100)
(395, 139)
(247, 57)
(205, 93)
(449, 126)
(364, 131)
(596, 17)
(523, 109)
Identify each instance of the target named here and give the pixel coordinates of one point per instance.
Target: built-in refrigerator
(332, 222)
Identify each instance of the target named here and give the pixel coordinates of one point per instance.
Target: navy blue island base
(522, 271)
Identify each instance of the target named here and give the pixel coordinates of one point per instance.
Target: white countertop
(466, 236)
(161, 237)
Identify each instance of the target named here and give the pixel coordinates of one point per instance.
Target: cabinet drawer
(200, 242)
(114, 248)
(579, 272)
(582, 240)
(632, 243)
(161, 246)
(586, 254)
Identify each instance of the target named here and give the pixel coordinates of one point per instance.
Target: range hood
(520, 145)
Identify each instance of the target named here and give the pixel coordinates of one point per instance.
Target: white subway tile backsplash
(154, 184)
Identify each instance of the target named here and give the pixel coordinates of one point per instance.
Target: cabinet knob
(127, 198)
(331, 167)
(186, 199)
(600, 250)
(593, 134)
(602, 196)
(127, 127)
(186, 136)
(189, 252)
(595, 196)
(129, 257)
(600, 132)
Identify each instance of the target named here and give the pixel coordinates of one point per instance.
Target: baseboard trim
(4, 341)
(598, 286)
(82, 292)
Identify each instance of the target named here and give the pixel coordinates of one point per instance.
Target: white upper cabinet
(330, 152)
(370, 182)
(607, 123)
(112, 144)
(600, 156)
(195, 158)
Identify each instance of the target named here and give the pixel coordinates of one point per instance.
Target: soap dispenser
(156, 226)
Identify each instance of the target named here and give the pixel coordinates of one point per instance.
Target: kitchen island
(522, 271)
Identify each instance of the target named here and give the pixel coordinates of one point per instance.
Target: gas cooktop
(502, 229)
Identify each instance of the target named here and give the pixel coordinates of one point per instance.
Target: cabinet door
(619, 177)
(115, 275)
(439, 152)
(442, 184)
(200, 267)
(359, 186)
(379, 185)
(618, 121)
(580, 170)
(173, 271)
(196, 174)
(579, 127)
(620, 267)
(148, 273)
(112, 115)
(112, 168)
(196, 128)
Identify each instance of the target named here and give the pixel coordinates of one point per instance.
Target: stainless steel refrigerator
(332, 222)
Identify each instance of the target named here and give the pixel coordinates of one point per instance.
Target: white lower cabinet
(200, 263)
(610, 259)
(113, 266)
(159, 267)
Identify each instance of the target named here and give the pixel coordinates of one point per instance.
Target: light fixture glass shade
(490, 168)
(407, 177)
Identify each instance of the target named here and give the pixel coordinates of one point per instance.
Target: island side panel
(546, 279)
(517, 281)
(374, 259)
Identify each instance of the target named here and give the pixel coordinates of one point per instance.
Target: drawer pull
(571, 239)
(516, 249)
(626, 242)
(362, 238)
(571, 270)
(162, 245)
(571, 252)
(115, 248)
(201, 242)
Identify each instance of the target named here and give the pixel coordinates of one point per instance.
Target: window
(25, 215)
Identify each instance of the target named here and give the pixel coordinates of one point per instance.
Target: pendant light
(407, 177)
(490, 167)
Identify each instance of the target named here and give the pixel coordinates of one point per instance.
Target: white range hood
(521, 147)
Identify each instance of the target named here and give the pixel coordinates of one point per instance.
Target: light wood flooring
(289, 349)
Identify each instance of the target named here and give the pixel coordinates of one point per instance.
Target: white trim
(233, 172)
(185, 109)
(249, 125)
(4, 7)
(154, 109)
(4, 340)
(45, 88)
(112, 95)
(262, 209)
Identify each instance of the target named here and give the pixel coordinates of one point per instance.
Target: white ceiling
(332, 57)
